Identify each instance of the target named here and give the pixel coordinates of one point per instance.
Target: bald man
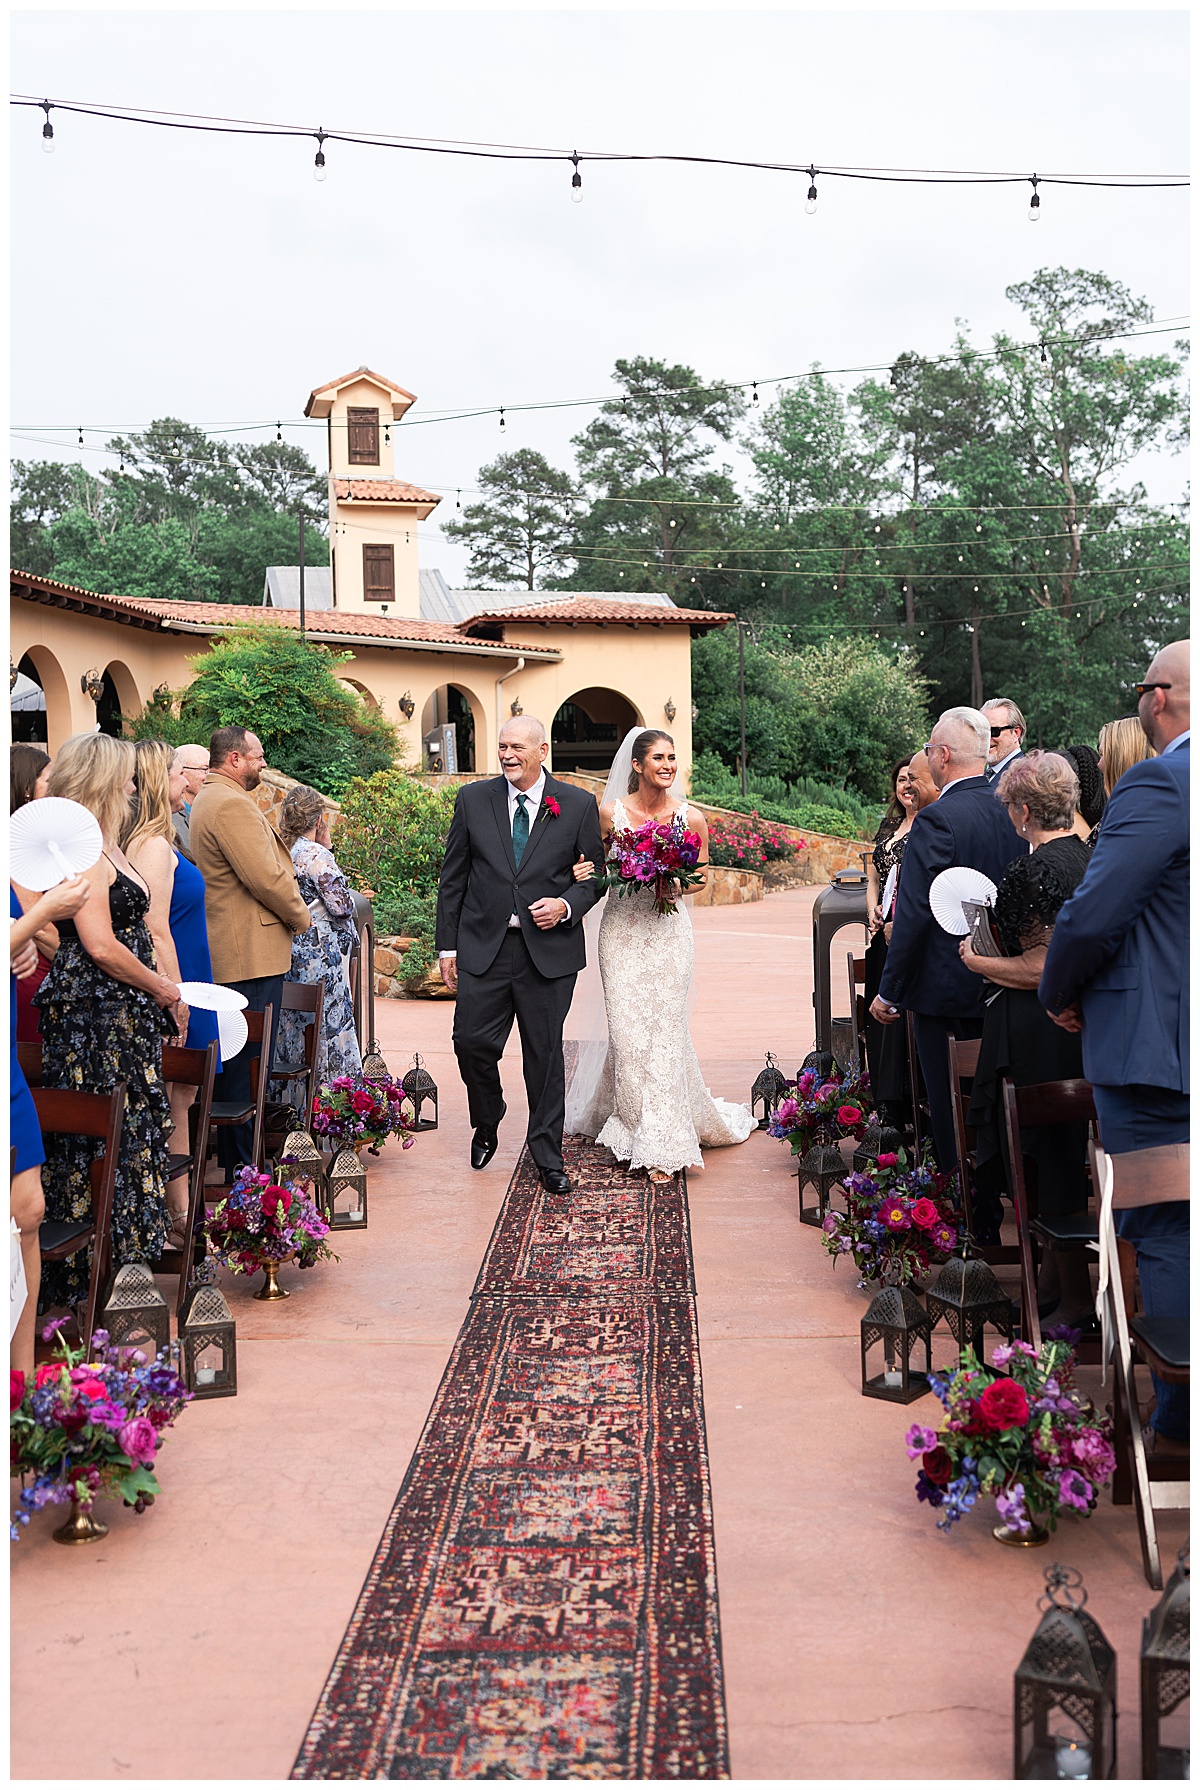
(1117, 970)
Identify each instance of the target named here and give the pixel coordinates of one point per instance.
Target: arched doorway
(27, 701)
(588, 728)
(450, 706)
(119, 699)
(49, 720)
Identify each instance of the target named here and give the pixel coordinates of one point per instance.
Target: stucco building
(591, 665)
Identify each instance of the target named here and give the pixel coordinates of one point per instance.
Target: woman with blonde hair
(105, 1009)
(320, 953)
(176, 920)
(1122, 744)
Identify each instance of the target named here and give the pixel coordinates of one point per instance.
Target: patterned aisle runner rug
(543, 1603)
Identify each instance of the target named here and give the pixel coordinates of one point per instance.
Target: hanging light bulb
(458, 503)
(1035, 203)
(47, 130)
(279, 431)
(754, 391)
(319, 158)
(777, 528)
(576, 181)
(810, 203)
(503, 425)
(81, 434)
(878, 529)
(387, 435)
(1044, 357)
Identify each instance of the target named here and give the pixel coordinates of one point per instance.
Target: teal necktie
(520, 829)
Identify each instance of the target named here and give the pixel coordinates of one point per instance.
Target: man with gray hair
(1006, 727)
(190, 764)
(924, 973)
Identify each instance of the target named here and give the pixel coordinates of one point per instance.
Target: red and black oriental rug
(543, 1602)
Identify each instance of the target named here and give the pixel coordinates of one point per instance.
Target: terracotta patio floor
(859, 1642)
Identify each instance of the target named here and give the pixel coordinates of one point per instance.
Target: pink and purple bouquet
(90, 1427)
(1023, 1436)
(661, 855)
(899, 1220)
(260, 1221)
(820, 1109)
(352, 1110)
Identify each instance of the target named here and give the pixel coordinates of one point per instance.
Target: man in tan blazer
(251, 901)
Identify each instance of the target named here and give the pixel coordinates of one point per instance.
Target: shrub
(391, 839)
(747, 848)
(804, 803)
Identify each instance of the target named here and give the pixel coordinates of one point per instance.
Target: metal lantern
(770, 1086)
(1065, 1690)
(208, 1340)
(347, 1184)
(373, 1066)
(896, 1319)
(302, 1164)
(877, 1140)
(419, 1087)
(135, 1312)
(967, 1294)
(821, 1168)
(823, 1061)
(1166, 1677)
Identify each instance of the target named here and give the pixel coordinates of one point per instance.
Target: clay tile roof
(596, 608)
(213, 618)
(331, 388)
(382, 491)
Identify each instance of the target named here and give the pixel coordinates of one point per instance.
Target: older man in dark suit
(924, 973)
(1117, 969)
(509, 938)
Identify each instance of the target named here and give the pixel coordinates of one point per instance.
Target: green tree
(286, 690)
(42, 492)
(524, 529)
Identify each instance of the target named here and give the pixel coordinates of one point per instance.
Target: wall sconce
(13, 675)
(669, 710)
(92, 684)
(408, 707)
(514, 707)
(695, 711)
(162, 693)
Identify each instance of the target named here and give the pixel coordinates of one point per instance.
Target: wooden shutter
(379, 574)
(363, 430)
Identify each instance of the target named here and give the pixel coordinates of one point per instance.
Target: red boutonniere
(552, 807)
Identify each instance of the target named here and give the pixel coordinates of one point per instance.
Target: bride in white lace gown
(644, 1097)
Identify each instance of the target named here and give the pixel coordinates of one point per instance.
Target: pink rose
(139, 1440)
(889, 1159)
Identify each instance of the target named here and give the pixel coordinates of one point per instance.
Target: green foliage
(287, 692)
(391, 840)
(524, 529)
(159, 721)
(820, 807)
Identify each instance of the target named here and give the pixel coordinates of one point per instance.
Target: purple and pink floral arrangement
(662, 855)
(820, 1109)
(899, 1220)
(352, 1110)
(260, 1221)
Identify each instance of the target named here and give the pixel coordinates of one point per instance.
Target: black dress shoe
(556, 1180)
(483, 1147)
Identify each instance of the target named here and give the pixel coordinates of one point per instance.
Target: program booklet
(984, 943)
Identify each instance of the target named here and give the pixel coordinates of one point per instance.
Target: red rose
(938, 1465)
(16, 1387)
(849, 1115)
(924, 1213)
(270, 1203)
(48, 1371)
(889, 1159)
(1004, 1405)
(552, 807)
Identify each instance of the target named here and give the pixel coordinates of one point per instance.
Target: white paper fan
(232, 1032)
(212, 997)
(948, 891)
(51, 839)
(889, 890)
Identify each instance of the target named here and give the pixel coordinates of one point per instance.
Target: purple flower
(1010, 1506)
(1074, 1490)
(927, 1492)
(1093, 1454)
(919, 1440)
(1002, 1354)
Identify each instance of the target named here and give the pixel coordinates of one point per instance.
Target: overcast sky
(161, 272)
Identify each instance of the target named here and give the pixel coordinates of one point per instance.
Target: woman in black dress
(1020, 1040)
(105, 1012)
(886, 1056)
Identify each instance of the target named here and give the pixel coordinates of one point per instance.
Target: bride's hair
(640, 748)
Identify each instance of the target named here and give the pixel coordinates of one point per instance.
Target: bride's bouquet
(659, 854)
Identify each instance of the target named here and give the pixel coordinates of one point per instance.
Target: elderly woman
(319, 953)
(1020, 1040)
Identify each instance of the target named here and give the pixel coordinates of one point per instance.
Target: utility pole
(302, 575)
(742, 697)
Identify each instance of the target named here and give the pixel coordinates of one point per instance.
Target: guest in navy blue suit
(923, 973)
(1117, 968)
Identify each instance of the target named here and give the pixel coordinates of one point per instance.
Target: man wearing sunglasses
(1006, 726)
(1117, 970)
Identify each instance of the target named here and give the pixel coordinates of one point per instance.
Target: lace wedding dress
(650, 1106)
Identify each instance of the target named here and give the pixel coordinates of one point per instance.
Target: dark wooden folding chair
(916, 1082)
(66, 1113)
(856, 970)
(964, 1061)
(236, 1112)
(309, 998)
(1044, 1103)
(196, 1069)
(1164, 1346)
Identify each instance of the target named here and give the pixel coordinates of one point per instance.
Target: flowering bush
(87, 1427)
(749, 848)
(658, 854)
(260, 1222)
(821, 1111)
(898, 1221)
(352, 1110)
(1024, 1437)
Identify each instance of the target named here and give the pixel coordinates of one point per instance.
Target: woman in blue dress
(27, 1204)
(176, 920)
(318, 954)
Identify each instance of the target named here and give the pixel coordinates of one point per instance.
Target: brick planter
(729, 888)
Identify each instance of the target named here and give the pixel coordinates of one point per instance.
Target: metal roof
(282, 588)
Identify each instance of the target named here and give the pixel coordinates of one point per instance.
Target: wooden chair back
(65, 1112)
(1042, 1103)
(309, 998)
(258, 1026)
(964, 1061)
(920, 1107)
(196, 1069)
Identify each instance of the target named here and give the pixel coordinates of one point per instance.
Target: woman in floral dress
(319, 953)
(105, 1011)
